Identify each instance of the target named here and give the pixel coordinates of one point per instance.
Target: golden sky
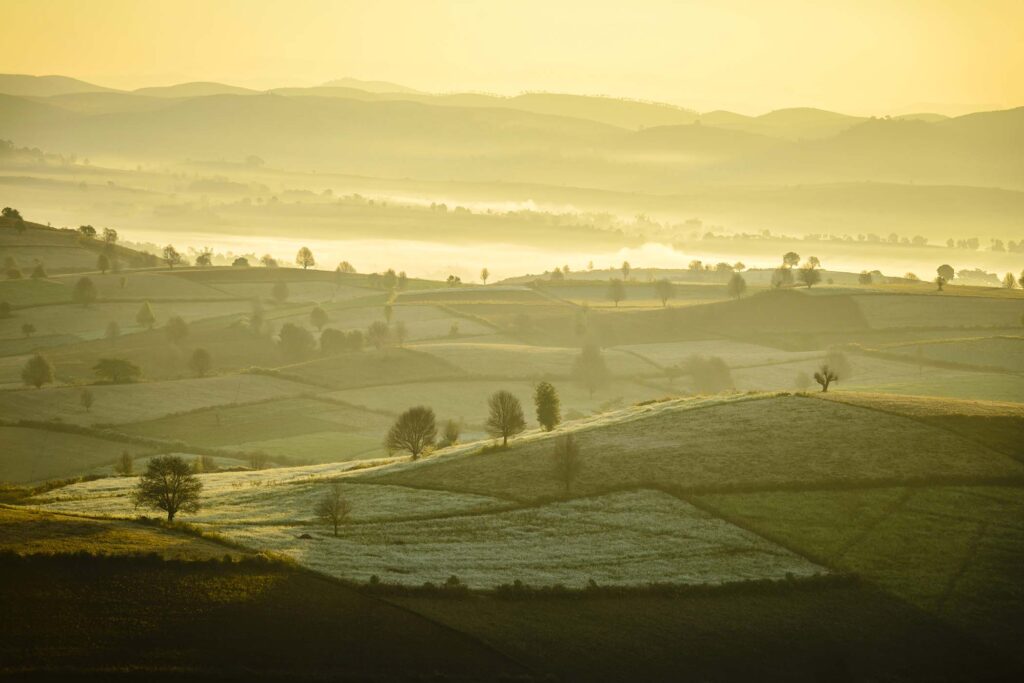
(858, 56)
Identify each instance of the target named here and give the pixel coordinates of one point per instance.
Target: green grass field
(32, 455)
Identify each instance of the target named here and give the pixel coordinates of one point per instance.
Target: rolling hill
(44, 86)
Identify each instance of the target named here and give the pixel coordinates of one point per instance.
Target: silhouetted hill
(196, 89)
(368, 86)
(789, 124)
(44, 86)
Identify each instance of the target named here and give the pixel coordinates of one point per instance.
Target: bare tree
(825, 376)
(616, 290)
(168, 484)
(664, 290)
(333, 509)
(125, 464)
(567, 460)
(415, 431)
(506, 416)
(484, 274)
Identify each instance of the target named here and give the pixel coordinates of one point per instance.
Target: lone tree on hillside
(305, 258)
(548, 405)
(484, 274)
(663, 289)
(87, 231)
(145, 316)
(171, 256)
(945, 271)
(117, 370)
(103, 263)
(415, 430)
(86, 398)
(825, 376)
(810, 276)
(333, 509)
(268, 261)
(240, 262)
(506, 416)
(590, 369)
(204, 259)
(168, 484)
(790, 259)
(84, 292)
(1009, 281)
(37, 371)
(737, 286)
(200, 362)
(567, 461)
(176, 329)
(318, 318)
(616, 290)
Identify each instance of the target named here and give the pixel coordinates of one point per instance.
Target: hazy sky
(859, 56)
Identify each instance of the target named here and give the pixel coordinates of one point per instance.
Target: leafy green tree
(945, 271)
(318, 317)
(548, 405)
(737, 286)
(616, 290)
(110, 236)
(279, 292)
(125, 464)
(200, 362)
(87, 231)
(663, 289)
(451, 434)
(589, 369)
(117, 370)
(333, 508)
(296, 342)
(415, 431)
(11, 214)
(240, 262)
(168, 484)
(86, 398)
(790, 259)
(305, 258)
(84, 292)
(567, 461)
(204, 259)
(37, 371)
(506, 416)
(145, 316)
(176, 329)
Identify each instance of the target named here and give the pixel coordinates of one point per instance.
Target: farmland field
(901, 310)
(33, 455)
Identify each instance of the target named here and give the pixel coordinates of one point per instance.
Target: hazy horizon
(857, 58)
